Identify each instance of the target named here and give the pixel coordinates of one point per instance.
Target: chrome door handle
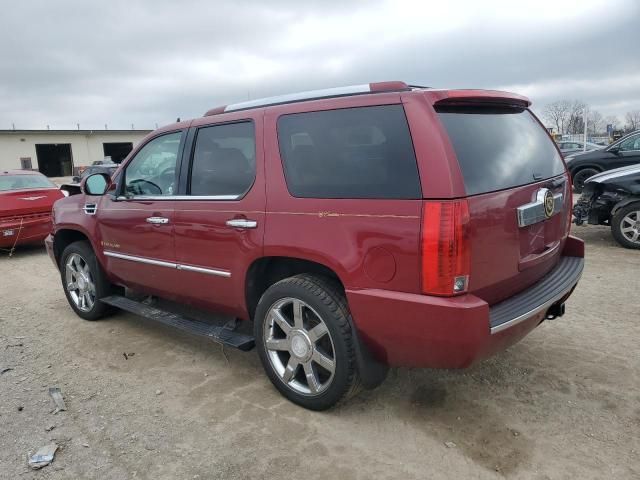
(157, 220)
(242, 223)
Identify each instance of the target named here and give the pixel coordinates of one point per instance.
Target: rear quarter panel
(368, 243)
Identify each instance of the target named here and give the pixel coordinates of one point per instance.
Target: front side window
(153, 170)
(631, 143)
(363, 152)
(224, 160)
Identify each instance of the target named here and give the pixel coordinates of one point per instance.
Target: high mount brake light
(446, 256)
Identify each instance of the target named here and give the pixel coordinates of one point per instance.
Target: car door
(629, 152)
(219, 221)
(135, 224)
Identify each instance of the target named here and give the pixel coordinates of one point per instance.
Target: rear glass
(20, 182)
(499, 148)
(363, 152)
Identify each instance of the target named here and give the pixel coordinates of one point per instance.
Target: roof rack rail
(365, 88)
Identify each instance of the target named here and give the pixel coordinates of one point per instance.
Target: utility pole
(584, 146)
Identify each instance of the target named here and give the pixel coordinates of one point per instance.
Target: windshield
(21, 182)
(499, 148)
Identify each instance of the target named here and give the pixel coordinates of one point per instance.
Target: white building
(59, 153)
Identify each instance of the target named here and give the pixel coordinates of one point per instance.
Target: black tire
(618, 223)
(103, 287)
(581, 176)
(327, 301)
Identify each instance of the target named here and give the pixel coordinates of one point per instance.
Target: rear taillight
(446, 257)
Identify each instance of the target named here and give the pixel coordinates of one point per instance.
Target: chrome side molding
(161, 263)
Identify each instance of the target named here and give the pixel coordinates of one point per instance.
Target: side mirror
(615, 150)
(96, 184)
(75, 179)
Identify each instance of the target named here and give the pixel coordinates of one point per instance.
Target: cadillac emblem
(549, 203)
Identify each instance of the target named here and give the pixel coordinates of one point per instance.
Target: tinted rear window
(19, 182)
(499, 148)
(361, 152)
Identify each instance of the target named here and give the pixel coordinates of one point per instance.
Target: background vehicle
(568, 147)
(26, 199)
(613, 198)
(625, 151)
(357, 227)
(108, 168)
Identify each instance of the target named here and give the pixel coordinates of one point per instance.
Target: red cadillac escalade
(340, 231)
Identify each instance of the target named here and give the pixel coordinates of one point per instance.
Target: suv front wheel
(305, 341)
(84, 281)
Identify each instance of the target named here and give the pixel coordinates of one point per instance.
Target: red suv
(358, 228)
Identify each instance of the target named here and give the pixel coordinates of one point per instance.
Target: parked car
(26, 199)
(613, 198)
(108, 168)
(625, 151)
(358, 227)
(567, 147)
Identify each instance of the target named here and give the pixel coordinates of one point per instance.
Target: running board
(220, 334)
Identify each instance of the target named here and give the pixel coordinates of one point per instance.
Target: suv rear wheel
(625, 226)
(84, 281)
(305, 342)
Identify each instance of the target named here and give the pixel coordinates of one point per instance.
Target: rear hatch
(518, 195)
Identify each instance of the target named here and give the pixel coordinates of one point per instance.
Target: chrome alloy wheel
(299, 346)
(79, 282)
(630, 226)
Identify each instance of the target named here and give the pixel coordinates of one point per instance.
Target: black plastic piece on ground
(217, 333)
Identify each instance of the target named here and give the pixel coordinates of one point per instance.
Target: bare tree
(575, 122)
(633, 120)
(595, 124)
(557, 113)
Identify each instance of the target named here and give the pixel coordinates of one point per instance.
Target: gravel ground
(563, 403)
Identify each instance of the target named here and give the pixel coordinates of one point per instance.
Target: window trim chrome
(124, 198)
(162, 263)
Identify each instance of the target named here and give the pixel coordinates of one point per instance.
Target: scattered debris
(20, 408)
(128, 355)
(15, 345)
(515, 433)
(56, 395)
(450, 444)
(158, 392)
(85, 445)
(43, 457)
(49, 428)
(5, 370)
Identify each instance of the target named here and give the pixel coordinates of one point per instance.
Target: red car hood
(25, 202)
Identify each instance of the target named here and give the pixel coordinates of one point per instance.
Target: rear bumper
(21, 232)
(404, 329)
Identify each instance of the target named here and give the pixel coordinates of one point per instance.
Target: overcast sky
(147, 62)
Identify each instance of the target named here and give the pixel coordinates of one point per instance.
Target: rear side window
(499, 148)
(349, 153)
(224, 160)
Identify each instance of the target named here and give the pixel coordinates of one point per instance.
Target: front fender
(624, 203)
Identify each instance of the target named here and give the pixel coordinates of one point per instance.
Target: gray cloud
(144, 63)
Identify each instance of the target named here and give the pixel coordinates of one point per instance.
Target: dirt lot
(564, 403)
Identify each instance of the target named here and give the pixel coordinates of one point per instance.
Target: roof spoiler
(475, 97)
